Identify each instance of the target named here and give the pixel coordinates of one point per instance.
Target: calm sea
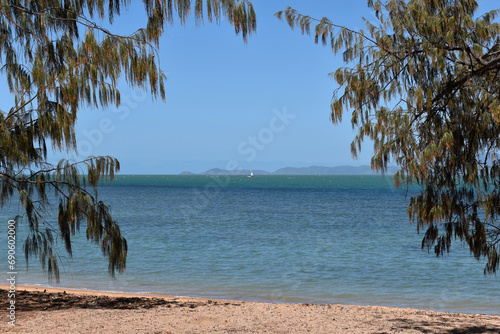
(298, 239)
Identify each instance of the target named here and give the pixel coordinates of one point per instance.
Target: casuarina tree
(57, 57)
(422, 82)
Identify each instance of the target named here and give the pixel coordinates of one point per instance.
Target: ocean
(294, 239)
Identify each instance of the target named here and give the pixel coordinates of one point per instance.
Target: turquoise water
(300, 239)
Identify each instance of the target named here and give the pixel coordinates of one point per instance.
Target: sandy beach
(49, 310)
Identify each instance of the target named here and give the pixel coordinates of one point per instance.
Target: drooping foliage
(422, 82)
(56, 59)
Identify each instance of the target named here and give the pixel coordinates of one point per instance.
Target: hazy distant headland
(312, 170)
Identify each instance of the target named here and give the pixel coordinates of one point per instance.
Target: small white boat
(251, 174)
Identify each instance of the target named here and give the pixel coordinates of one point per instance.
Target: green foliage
(423, 84)
(56, 60)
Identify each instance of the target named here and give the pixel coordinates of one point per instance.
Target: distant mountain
(218, 171)
(188, 173)
(338, 170)
(312, 170)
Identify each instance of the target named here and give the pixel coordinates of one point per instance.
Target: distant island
(312, 170)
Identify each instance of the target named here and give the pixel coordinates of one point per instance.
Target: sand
(77, 311)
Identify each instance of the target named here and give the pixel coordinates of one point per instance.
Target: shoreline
(112, 294)
(167, 297)
(248, 299)
(52, 310)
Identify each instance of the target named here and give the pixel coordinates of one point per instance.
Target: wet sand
(49, 310)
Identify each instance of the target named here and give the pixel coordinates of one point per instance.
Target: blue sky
(224, 99)
(263, 105)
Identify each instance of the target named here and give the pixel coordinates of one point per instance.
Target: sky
(230, 105)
